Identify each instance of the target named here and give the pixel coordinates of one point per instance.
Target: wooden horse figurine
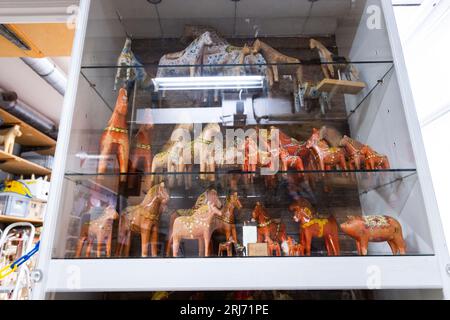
(290, 161)
(311, 227)
(210, 195)
(144, 219)
(374, 160)
(330, 63)
(204, 146)
(272, 57)
(273, 247)
(191, 56)
(116, 135)
(99, 230)
(226, 247)
(225, 222)
(128, 67)
(9, 138)
(326, 157)
(292, 146)
(142, 150)
(268, 227)
(295, 249)
(353, 150)
(199, 226)
(160, 160)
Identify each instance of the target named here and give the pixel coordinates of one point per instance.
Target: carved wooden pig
(374, 228)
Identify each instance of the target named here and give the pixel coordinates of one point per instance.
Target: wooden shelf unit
(13, 219)
(31, 137)
(16, 165)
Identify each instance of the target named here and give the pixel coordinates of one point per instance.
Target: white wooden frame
(409, 272)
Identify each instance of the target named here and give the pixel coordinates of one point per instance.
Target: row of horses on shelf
(318, 152)
(209, 48)
(208, 215)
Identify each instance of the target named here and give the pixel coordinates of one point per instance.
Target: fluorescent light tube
(205, 83)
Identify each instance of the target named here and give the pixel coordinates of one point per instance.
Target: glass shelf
(331, 192)
(283, 102)
(253, 184)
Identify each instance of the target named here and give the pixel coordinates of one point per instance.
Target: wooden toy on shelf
(160, 160)
(340, 75)
(311, 227)
(200, 225)
(191, 56)
(9, 138)
(128, 67)
(273, 247)
(116, 135)
(98, 230)
(374, 160)
(353, 148)
(268, 227)
(331, 68)
(226, 222)
(204, 144)
(144, 219)
(375, 228)
(295, 249)
(226, 247)
(142, 151)
(210, 195)
(326, 157)
(273, 57)
(293, 147)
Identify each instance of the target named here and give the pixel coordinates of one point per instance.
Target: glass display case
(235, 131)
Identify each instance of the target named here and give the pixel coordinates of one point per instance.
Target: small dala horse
(144, 219)
(268, 227)
(99, 230)
(311, 227)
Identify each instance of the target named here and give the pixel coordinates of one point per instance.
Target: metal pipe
(10, 103)
(49, 72)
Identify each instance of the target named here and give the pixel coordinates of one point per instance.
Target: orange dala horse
(268, 227)
(116, 135)
(312, 227)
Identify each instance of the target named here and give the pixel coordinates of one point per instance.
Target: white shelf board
(296, 273)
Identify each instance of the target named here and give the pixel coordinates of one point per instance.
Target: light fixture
(205, 83)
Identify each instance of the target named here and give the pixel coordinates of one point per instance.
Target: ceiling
(33, 90)
(243, 18)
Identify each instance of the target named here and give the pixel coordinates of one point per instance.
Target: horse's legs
(233, 231)
(145, 237)
(105, 151)
(201, 248)
(127, 244)
(307, 242)
(275, 72)
(89, 247)
(176, 246)
(122, 154)
(147, 169)
(171, 173)
(358, 247)
(154, 240)
(393, 246)
(100, 238)
(206, 239)
(80, 247)
(328, 246)
(108, 244)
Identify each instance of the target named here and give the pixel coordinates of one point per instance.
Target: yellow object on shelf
(43, 39)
